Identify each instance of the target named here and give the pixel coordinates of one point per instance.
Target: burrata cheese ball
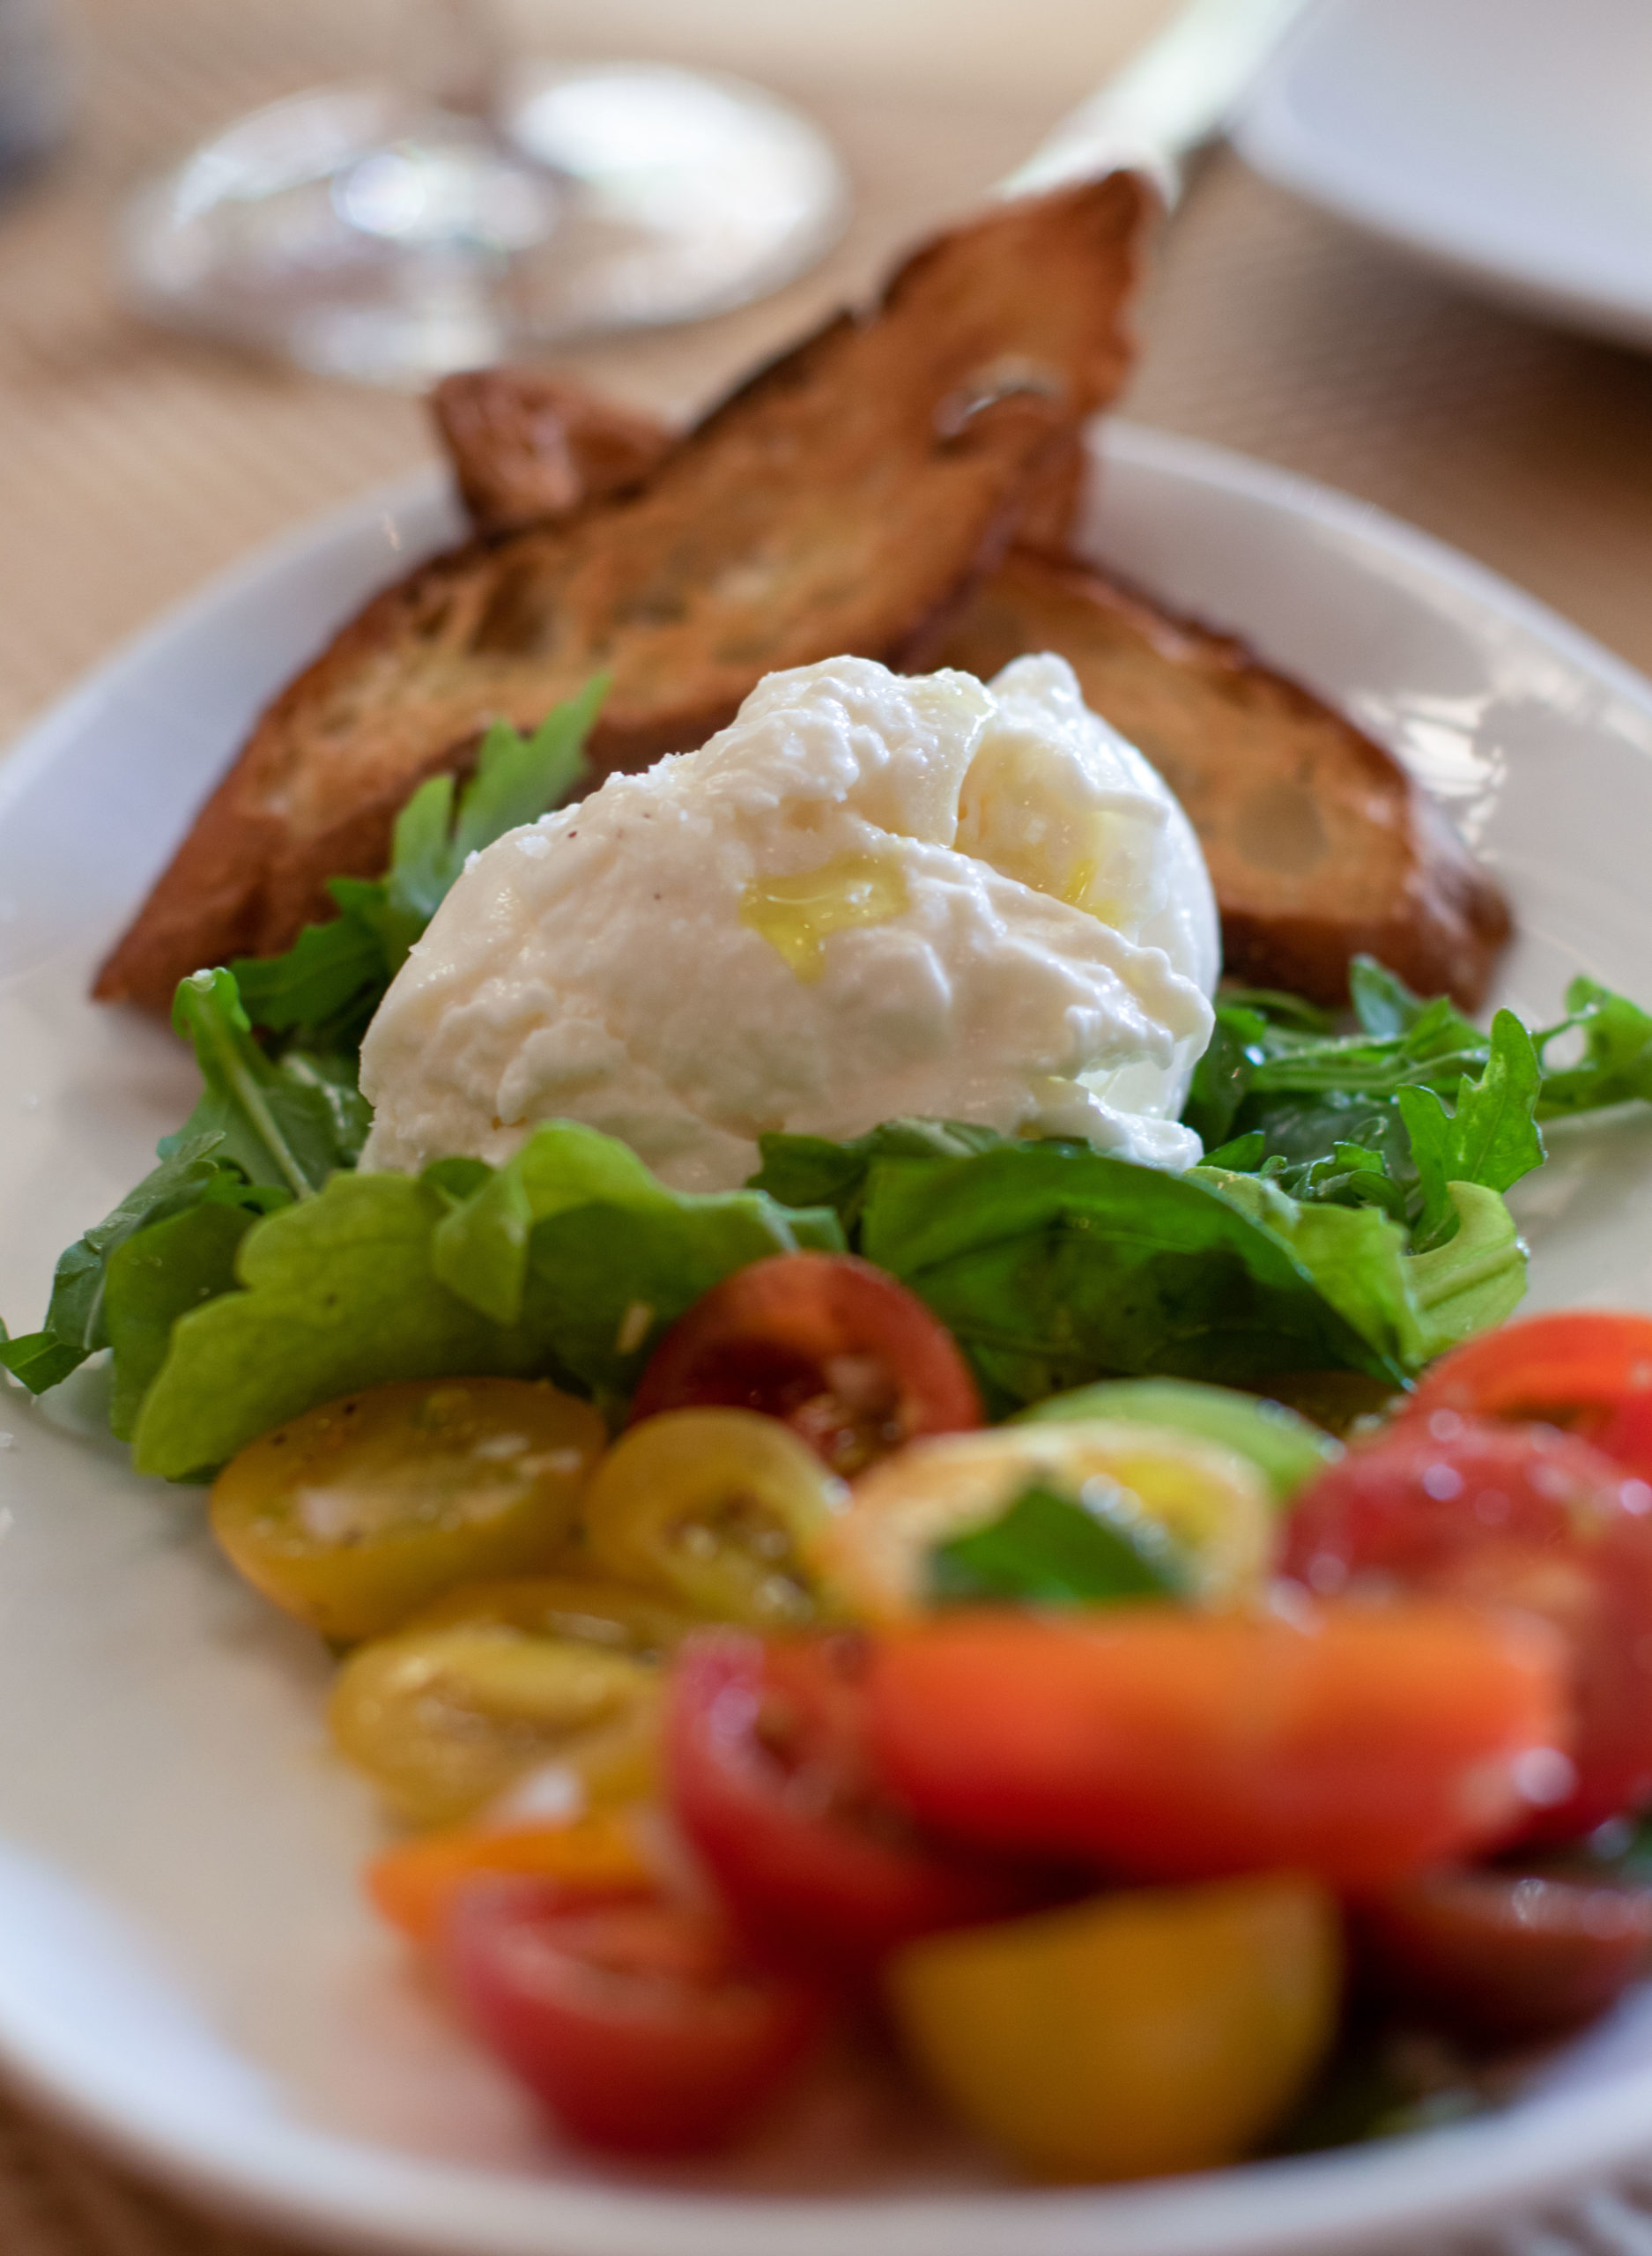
(873, 895)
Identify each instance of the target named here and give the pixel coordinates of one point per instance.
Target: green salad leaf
(1394, 1115)
(1053, 1264)
(1051, 1549)
(322, 992)
(1616, 1066)
(568, 1262)
(276, 1119)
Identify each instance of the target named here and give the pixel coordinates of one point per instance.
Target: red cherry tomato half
(1503, 1955)
(633, 2021)
(768, 1776)
(1587, 1369)
(849, 1358)
(1353, 1743)
(1522, 1516)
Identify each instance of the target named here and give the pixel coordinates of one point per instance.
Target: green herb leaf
(290, 1124)
(1051, 1549)
(569, 1262)
(74, 1326)
(1053, 1264)
(1617, 1062)
(323, 991)
(812, 1171)
(1489, 1136)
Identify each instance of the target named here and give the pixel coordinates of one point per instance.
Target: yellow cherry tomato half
(494, 1682)
(718, 1508)
(360, 1512)
(1153, 2030)
(415, 1884)
(1213, 1506)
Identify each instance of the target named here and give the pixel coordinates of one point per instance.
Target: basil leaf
(1053, 1264)
(1051, 1549)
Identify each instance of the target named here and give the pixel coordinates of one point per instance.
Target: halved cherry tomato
(416, 1884)
(635, 2023)
(846, 1357)
(717, 1508)
(1503, 1955)
(1356, 1744)
(365, 1508)
(1212, 1505)
(502, 1678)
(1450, 1506)
(1153, 2029)
(767, 1776)
(1588, 1370)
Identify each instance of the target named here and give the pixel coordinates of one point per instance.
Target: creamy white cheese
(870, 896)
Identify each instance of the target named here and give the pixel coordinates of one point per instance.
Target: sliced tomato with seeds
(769, 1777)
(831, 1345)
(1445, 1505)
(634, 2021)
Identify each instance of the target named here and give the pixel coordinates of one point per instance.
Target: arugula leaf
(75, 1323)
(323, 991)
(1052, 1550)
(1489, 1136)
(291, 1124)
(1382, 1003)
(570, 1261)
(1617, 1062)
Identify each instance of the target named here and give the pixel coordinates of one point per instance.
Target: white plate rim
(311, 2183)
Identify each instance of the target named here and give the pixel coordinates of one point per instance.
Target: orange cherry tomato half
(1353, 1743)
(416, 1884)
(1588, 1370)
(634, 2023)
(849, 1359)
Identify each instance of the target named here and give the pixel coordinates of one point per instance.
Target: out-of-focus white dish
(188, 1971)
(1507, 141)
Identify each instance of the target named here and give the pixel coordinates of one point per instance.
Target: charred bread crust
(846, 497)
(1319, 845)
(526, 446)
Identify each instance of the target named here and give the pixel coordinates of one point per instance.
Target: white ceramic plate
(187, 1969)
(1505, 141)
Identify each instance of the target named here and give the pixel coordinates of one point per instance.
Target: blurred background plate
(190, 1970)
(1507, 141)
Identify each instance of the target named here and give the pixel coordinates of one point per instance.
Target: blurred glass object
(392, 233)
(34, 88)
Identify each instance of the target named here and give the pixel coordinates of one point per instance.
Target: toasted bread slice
(526, 446)
(846, 498)
(1320, 846)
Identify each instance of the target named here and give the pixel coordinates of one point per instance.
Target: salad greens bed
(1349, 1214)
